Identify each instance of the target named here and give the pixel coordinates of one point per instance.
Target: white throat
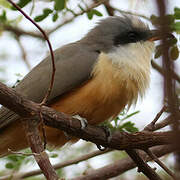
(134, 55)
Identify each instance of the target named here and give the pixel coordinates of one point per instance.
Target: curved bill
(157, 35)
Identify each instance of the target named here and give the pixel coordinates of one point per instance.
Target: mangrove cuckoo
(96, 77)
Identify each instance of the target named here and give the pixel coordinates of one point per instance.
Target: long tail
(13, 135)
(13, 138)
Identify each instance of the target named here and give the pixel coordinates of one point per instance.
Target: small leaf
(9, 166)
(129, 126)
(177, 13)
(158, 51)
(97, 13)
(129, 115)
(5, 4)
(3, 16)
(90, 14)
(55, 17)
(22, 3)
(176, 26)
(170, 18)
(174, 52)
(54, 155)
(39, 18)
(13, 158)
(59, 5)
(46, 12)
(154, 19)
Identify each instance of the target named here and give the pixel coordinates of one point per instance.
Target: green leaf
(9, 165)
(54, 155)
(129, 126)
(170, 18)
(177, 13)
(5, 3)
(55, 17)
(176, 26)
(3, 17)
(47, 11)
(129, 115)
(22, 3)
(154, 19)
(158, 51)
(174, 52)
(45, 14)
(93, 12)
(59, 5)
(97, 13)
(90, 14)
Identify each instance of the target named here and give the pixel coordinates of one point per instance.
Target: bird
(96, 78)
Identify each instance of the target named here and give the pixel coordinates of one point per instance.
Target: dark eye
(132, 36)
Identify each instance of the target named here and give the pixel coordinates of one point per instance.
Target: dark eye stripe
(130, 37)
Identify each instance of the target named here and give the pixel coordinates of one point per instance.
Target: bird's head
(126, 37)
(117, 31)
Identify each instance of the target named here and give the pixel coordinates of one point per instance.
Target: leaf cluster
(173, 20)
(120, 123)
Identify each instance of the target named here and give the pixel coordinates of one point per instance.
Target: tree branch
(119, 140)
(19, 32)
(161, 71)
(37, 148)
(142, 165)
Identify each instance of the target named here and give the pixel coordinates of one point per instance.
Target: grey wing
(74, 63)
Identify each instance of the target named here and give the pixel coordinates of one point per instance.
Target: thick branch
(119, 140)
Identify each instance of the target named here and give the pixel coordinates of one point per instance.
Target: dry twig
(160, 163)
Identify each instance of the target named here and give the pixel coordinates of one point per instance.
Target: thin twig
(131, 13)
(161, 164)
(167, 121)
(76, 15)
(151, 126)
(43, 129)
(22, 153)
(60, 165)
(32, 126)
(24, 56)
(17, 31)
(161, 71)
(123, 165)
(50, 48)
(142, 165)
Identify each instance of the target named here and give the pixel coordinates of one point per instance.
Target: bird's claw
(108, 136)
(83, 121)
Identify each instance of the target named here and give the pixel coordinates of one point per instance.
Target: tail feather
(9, 134)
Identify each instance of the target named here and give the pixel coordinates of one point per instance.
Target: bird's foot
(82, 120)
(107, 132)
